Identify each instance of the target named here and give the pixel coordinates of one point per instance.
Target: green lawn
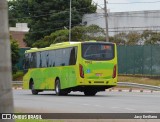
(141, 80)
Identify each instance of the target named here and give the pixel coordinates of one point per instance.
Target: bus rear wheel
(58, 89)
(90, 92)
(34, 92)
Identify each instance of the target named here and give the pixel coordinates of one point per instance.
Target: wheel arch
(57, 78)
(30, 83)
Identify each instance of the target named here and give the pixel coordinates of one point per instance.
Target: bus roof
(58, 45)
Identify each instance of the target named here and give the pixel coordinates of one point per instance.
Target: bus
(88, 67)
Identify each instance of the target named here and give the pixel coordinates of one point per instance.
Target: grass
(140, 79)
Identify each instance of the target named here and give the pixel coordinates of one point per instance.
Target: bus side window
(43, 59)
(72, 59)
(65, 56)
(40, 63)
(33, 60)
(26, 61)
(29, 60)
(51, 58)
(58, 55)
(38, 59)
(47, 59)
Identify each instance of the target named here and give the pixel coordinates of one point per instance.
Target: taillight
(114, 71)
(81, 71)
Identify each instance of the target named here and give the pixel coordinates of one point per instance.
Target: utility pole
(70, 18)
(106, 19)
(6, 97)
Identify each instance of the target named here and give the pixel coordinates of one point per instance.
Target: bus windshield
(97, 51)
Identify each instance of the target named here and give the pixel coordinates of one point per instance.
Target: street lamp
(70, 21)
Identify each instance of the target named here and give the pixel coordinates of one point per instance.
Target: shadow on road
(73, 95)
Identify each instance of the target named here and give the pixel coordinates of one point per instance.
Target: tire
(90, 92)
(58, 90)
(34, 92)
(57, 87)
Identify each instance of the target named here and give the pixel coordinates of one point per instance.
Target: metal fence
(141, 60)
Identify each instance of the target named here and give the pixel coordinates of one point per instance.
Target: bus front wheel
(57, 87)
(34, 92)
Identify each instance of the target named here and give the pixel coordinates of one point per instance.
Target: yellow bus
(88, 67)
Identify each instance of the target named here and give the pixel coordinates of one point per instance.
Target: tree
(133, 38)
(79, 33)
(14, 54)
(46, 16)
(150, 37)
(120, 38)
(55, 37)
(6, 98)
(18, 11)
(92, 32)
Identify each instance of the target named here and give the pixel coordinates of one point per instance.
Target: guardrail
(135, 85)
(17, 82)
(142, 86)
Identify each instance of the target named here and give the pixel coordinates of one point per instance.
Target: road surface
(76, 102)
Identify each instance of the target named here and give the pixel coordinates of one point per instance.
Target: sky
(129, 7)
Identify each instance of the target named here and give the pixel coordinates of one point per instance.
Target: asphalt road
(76, 102)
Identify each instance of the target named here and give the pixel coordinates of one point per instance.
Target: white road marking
(130, 109)
(98, 106)
(150, 112)
(115, 107)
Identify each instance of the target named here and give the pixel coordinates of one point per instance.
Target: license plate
(98, 74)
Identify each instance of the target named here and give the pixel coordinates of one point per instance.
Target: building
(125, 21)
(19, 32)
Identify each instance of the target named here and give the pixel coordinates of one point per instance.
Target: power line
(98, 15)
(98, 5)
(135, 27)
(138, 12)
(136, 2)
(138, 16)
(117, 13)
(132, 30)
(155, 14)
(55, 29)
(93, 19)
(145, 27)
(50, 13)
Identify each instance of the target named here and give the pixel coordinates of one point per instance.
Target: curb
(132, 90)
(17, 88)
